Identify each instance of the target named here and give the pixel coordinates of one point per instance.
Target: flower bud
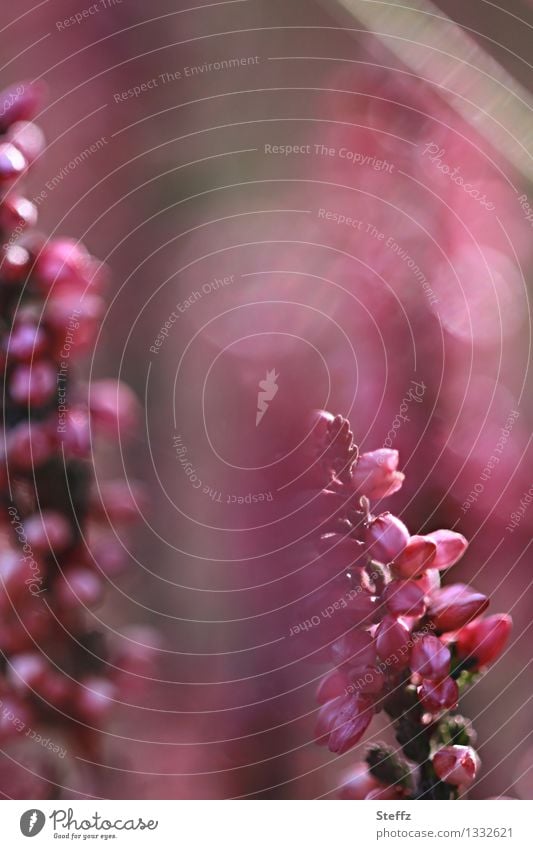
(417, 556)
(114, 408)
(457, 765)
(437, 696)
(12, 163)
(430, 658)
(375, 474)
(386, 538)
(79, 587)
(453, 606)
(28, 138)
(343, 721)
(404, 598)
(484, 640)
(331, 686)
(354, 650)
(48, 530)
(392, 641)
(450, 548)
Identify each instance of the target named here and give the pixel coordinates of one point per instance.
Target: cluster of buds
(402, 643)
(58, 675)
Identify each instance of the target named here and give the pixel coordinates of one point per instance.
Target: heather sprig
(404, 644)
(59, 676)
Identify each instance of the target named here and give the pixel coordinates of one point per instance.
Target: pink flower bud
(417, 556)
(29, 445)
(354, 650)
(429, 581)
(95, 699)
(12, 163)
(484, 640)
(78, 587)
(33, 384)
(75, 433)
(375, 474)
(456, 765)
(343, 721)
(28, 138)
(27, 671)
(17, 213)
(450, 548)
(15, 265)
(62, 263)
(392, 641)
(358, 782)
(114, 408)
(119, 501)
(27, 342)
(386, 538)
(430, 658)
(331, 686)
(437, 696)
(453, 606)
(48, 530)
(404, 598)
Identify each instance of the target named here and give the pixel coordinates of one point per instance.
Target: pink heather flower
(430, 658)
(457, 765)
(47, 573)
(484, 640)
(354, 650)
(417, 556)
(453, 606)
(376, 474)
(450, 548)
(114, 408)
(437, 696)
(404, 598)
(393, 641)
(332, 685)
(343, 721)
(386, 537)
(48, 530)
